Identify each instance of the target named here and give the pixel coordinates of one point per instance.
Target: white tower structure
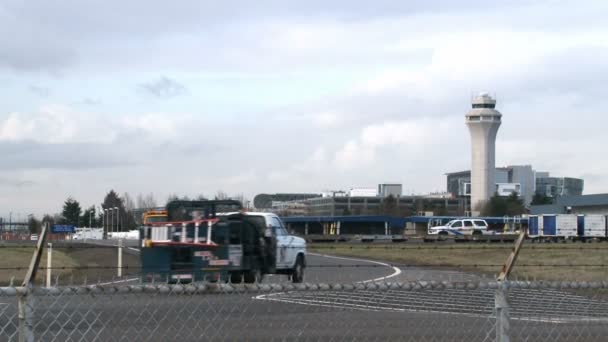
(483, 122)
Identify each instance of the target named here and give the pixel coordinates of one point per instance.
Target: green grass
(536, 261)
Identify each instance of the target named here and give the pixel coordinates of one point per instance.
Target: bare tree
(128, 202)
(221, 195)
(146, 202)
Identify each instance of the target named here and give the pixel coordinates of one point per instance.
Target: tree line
(123, 218)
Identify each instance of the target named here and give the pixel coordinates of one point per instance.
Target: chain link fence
(420, 292)
(410, 311)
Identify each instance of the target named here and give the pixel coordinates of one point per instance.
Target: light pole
(117, 216)
(111, 220)
(104, 223)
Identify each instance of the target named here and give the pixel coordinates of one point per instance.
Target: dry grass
(69, 264)
(536, 261)
(14, 262)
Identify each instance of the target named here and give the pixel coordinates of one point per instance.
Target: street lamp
(117, 213)
(104, 223)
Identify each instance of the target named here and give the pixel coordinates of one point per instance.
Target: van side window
(480, 223)
(468, 224)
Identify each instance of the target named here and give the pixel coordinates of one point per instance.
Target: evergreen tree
(504, 206)
(117, 218)
(33, 225)
(71, 211)
(89, 218)
(539, 199)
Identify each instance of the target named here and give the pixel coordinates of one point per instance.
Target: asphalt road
(459, 314)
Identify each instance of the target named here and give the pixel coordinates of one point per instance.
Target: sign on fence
(63, 228)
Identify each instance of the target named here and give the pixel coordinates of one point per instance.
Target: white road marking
(119, 281)
(397, 270)
(366, 306)
(133, 249)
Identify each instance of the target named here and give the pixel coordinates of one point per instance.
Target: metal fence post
(26, 301)
(119, 257)
(501, 306)
(25, 314)
(49, 263)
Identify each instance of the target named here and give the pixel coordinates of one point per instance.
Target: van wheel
(443, 235)
(253, 276)
(297, 274)
(477, 233)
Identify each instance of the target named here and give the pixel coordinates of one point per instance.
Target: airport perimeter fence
(91, 296)
(379, 310)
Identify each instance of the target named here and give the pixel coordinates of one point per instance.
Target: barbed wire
(384, 265)
(363, 247)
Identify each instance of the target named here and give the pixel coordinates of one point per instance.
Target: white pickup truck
(290, 250)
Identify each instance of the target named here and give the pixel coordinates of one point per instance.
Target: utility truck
(219, 241)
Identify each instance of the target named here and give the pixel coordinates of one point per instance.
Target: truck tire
(236, 277)
(297, 274)
(253, 276)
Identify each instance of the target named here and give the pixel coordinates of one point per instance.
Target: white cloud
(412, 68)
(57, 124)
(327, 119)
(412, 136)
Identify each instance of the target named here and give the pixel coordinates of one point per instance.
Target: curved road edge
(396, 270)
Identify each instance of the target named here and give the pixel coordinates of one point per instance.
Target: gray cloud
(61, 35)
(17, 183)
(164, 87)
(66, 156)
(40, 90)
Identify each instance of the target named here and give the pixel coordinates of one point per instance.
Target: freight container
(533, 228)
(591, 226)
(562, 226)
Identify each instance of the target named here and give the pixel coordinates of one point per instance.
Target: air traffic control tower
(483, 122)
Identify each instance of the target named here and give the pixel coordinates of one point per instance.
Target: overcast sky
(192, 97)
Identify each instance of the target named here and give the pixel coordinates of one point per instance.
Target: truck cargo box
(559, 225)
(533, 226)
(593, 226)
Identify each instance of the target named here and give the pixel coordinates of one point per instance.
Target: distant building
(514, 178)
(521, 179)
(582, 204)
(558, 186)
(385, 190)
(375, 205)
(363, 192)
(367, 201)
(264, 201)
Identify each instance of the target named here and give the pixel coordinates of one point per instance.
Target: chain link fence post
(501, 305)
(120, 244)
(25, 315)
(49, 263)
